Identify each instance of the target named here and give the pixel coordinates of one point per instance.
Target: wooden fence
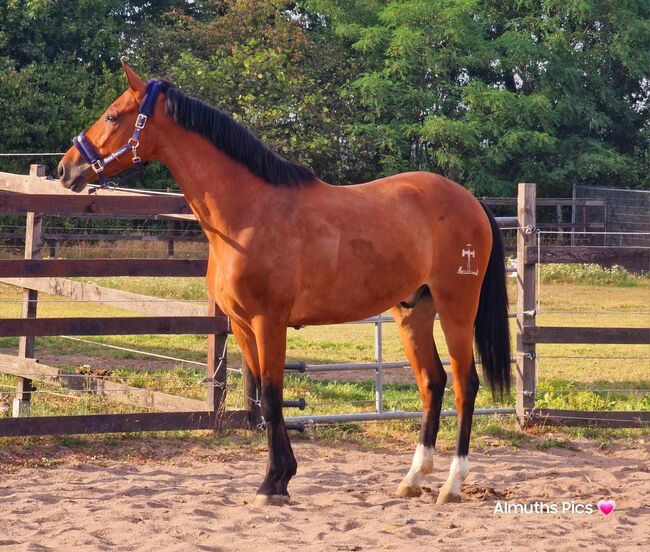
(529, 334)
(38, 197)
(171, 236)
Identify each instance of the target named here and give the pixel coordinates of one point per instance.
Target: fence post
(379, 371)
(170, 238)
(26, 345)
(217, 367)
(526, 315)
(574, 218)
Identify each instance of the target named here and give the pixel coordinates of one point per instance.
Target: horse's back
(432, 191)
(420, 199)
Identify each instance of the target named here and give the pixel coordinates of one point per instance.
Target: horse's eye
(111, 119)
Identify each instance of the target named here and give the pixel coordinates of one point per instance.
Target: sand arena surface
(182, 497)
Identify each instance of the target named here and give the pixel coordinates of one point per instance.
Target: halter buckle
(141, 121)
(97, 166)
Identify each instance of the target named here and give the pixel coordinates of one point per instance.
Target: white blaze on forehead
(457, 474)
(422, 465)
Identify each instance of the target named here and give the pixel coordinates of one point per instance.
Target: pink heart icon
(606, 507)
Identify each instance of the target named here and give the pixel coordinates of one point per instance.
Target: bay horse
(288, 249)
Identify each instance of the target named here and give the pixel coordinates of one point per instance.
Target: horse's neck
(222, 193)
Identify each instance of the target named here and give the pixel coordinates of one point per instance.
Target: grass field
(593, 377)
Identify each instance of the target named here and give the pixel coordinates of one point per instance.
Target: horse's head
(112, 143)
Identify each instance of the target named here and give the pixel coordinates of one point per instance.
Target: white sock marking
(457, 474)
(422, 465)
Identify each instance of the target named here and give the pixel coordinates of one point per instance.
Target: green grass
(584, 377)
(592, 274)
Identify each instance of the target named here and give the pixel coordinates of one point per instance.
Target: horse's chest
(243, 285)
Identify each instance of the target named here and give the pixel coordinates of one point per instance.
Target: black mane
(234, 139)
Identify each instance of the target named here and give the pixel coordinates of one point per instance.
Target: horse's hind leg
(416, 330)
(459, 337)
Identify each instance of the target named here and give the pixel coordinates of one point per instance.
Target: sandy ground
(341, 500)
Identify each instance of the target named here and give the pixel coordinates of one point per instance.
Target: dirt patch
(184, 497)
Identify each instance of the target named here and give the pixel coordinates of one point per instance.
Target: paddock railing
(531, 253)
(36, 197)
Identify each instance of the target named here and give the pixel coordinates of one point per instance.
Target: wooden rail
(109, 237)
(546, 202)
(19, 268)
(33, 185)
(595, 418)
(99, 295)
(34, 275)
(117, 392)
(561, 334)
(57, 205)
(632, 257)
(124, 423)
(43, 197)
(136, 325)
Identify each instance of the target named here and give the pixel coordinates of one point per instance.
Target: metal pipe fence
(379, 365)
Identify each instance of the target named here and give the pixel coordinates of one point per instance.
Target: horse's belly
(366, 283)
(338, 312)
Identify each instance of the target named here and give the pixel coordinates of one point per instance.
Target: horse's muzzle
(72, 178)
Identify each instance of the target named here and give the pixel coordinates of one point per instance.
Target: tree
(487, 92)
(490, 93)
(59, 68)
(273, 67)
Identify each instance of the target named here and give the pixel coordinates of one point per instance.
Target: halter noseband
(90, 155)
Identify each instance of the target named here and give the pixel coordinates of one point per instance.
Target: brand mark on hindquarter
(470, 254)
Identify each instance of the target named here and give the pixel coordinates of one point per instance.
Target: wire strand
(129, 350)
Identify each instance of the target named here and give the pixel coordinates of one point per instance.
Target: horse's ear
(135, 82)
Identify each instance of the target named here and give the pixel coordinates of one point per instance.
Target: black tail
(491, 329)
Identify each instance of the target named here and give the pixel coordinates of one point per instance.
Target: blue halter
(92, 157)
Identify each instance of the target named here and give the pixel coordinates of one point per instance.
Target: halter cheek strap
(98, 163)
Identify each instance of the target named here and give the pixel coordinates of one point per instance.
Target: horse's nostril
(61, 170)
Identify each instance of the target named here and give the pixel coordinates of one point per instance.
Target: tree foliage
(486, 92)
(494, 92)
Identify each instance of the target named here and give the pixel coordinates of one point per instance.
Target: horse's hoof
(408, 491)
(446, 497)
(271, 500)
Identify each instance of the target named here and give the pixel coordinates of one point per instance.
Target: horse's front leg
(270, 336)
